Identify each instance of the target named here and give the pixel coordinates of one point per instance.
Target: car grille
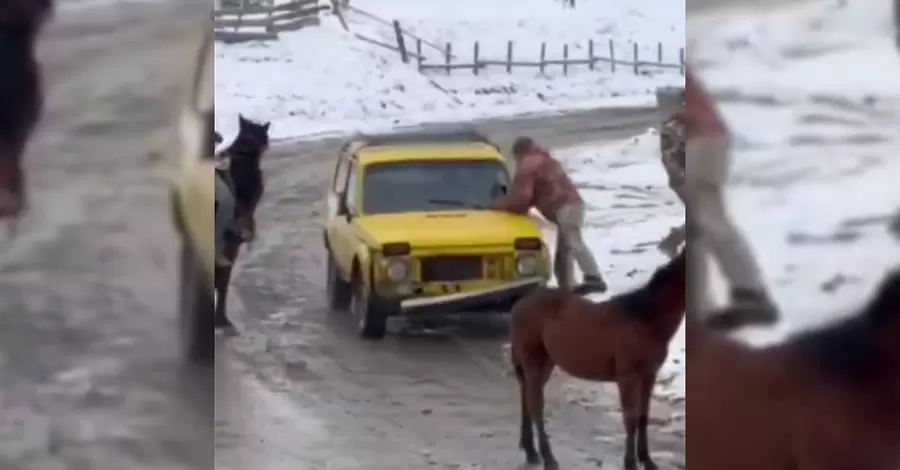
(451, 268)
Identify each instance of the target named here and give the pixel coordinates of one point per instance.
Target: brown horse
(21, 94)
(826, 399)
(246, 177)
(624, 339)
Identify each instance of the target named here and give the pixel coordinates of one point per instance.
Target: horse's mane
(642, 302)
(849, 350)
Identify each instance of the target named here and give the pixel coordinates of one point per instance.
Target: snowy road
(297, 389)
(89, 375)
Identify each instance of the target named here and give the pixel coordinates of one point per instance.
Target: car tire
(196, 308)
(340, 292)
(370, 315)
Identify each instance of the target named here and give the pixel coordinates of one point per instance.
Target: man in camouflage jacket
(671, 150)
(712, 230)
(225, 204)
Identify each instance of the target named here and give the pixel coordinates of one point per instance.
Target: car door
(337, 226)
(196, 176)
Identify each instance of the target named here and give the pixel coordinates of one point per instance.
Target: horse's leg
(536, 378)
(643, 446)
(526, 432)
(630, 388)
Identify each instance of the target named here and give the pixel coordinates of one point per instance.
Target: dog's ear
(242, 120)
(266, 126)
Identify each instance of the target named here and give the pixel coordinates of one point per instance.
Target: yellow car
(407, 232)
(193, 207)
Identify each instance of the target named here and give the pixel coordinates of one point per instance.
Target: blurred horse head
(21, 94)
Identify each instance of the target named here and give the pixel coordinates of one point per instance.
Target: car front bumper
(494, 299)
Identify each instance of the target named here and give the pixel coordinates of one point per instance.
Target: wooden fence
(613, 57)
(253, 23)
(635, 63)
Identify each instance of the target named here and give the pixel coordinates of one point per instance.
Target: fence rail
(614, 58)
(254, 22)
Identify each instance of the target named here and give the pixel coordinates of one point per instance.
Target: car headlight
(397, 269)
(527, 265)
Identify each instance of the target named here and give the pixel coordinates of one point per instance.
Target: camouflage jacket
(671, 149)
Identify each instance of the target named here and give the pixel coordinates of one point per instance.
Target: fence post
(447, 55)
(591, 54)
(475, 59)
(336, 9)
(543, 56)
(659, 52)
(635, 57)
(419, 57)
(401, 44)
(565, 59)
(681, 60)
(612, 56)
(509, 56)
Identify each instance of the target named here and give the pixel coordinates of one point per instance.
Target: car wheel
(371, 318)
(340, 292)
(196, 308)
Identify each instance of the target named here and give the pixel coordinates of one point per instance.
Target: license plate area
(456, 268)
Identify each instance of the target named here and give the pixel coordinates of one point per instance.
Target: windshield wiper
(454, 203)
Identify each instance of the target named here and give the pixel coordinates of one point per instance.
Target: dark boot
(591, 285)
(751, 298)
(748, 308)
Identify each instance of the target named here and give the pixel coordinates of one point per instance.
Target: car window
(351, 187)
(432, 185)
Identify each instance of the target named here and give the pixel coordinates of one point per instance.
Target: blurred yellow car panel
(193, 208)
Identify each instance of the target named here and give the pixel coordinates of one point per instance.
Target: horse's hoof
(552, 465)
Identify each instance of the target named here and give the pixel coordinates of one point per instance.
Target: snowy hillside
(325, 80)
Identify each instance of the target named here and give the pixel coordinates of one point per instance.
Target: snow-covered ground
(323, 80)
(813, 94)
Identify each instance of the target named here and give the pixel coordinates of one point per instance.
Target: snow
(325, 81)
(812, 94)
(814, 174)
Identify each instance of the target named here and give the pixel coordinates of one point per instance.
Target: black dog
(246, 179)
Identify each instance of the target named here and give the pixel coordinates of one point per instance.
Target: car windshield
(432, 185)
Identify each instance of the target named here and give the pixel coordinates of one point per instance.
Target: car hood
(450, 228)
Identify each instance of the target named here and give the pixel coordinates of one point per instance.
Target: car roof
(434, 152)
(445, 136)
(454, 144)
